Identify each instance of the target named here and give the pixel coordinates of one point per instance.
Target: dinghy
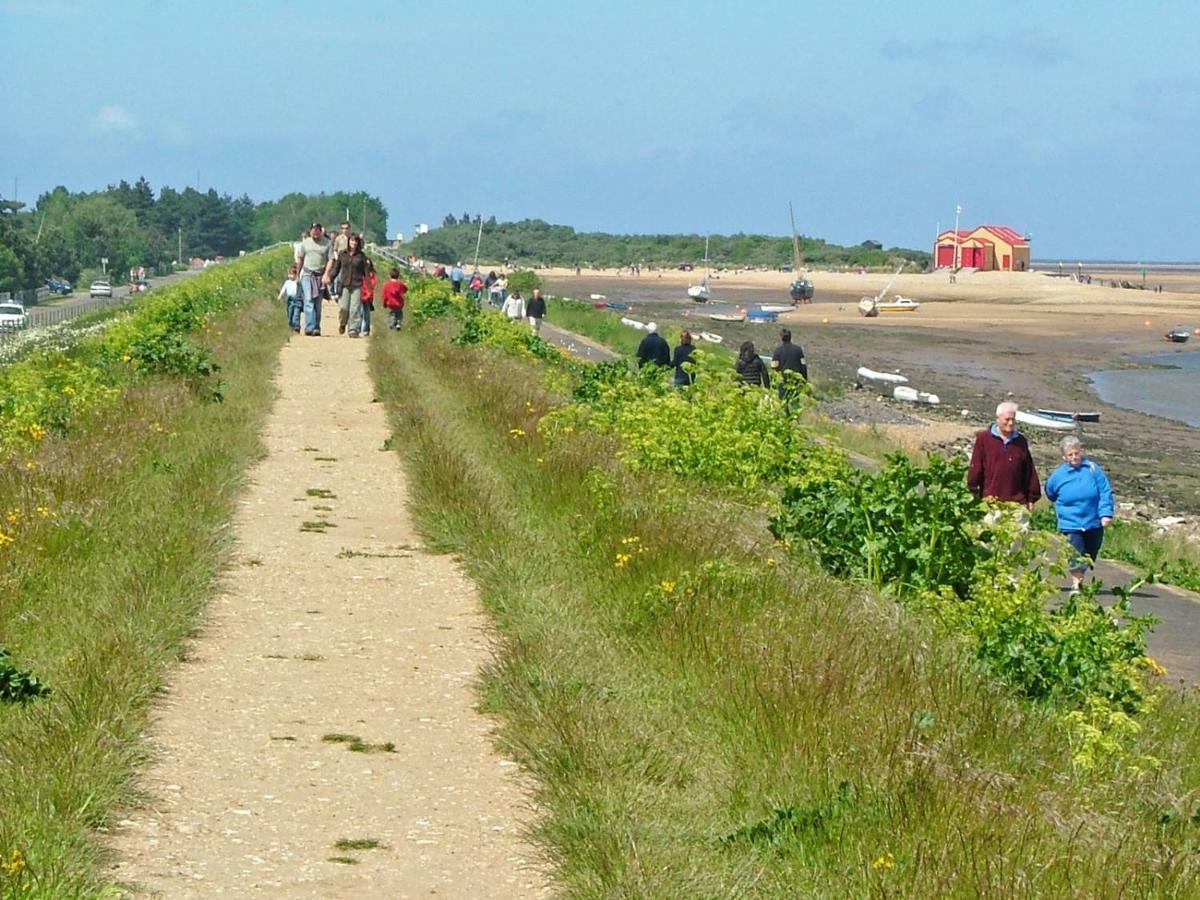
(710, 337)
(912, 395)
(1067, 416)
(872, 375)
(1034, 420)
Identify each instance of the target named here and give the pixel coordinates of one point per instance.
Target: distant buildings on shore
(990, 248)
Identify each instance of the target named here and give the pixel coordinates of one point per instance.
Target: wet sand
(1030, 337)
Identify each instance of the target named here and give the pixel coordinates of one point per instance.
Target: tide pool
(1170, 393)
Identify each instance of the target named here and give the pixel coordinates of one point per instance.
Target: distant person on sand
(653, 349)
(750, 367)
(1001, 465)
(1083, 503)
(683, 353)
(315, 262)
(394, 291)
(536, 310)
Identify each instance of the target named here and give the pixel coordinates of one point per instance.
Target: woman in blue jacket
(1083, 502)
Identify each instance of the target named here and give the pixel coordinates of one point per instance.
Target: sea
(1168, 392)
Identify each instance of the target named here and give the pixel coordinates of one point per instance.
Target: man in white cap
(653, 349)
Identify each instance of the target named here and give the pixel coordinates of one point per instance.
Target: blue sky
(1078, 123)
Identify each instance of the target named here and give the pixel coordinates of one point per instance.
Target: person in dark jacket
(750, 367)
(683, 353)
(789, 357)
(350, 270)
(535, 309)
(653, 349)
(1001, 465)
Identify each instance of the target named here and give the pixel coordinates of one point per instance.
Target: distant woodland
(67, 234)
(533, 242)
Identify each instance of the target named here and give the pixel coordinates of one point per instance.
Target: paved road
(61, 309)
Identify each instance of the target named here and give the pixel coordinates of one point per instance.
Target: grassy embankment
(706, 716)
(1167, 558)
(116, 511)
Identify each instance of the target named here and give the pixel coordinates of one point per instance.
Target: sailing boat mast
(795, 241)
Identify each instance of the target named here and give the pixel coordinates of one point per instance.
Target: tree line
(534, 242)
(67, 234)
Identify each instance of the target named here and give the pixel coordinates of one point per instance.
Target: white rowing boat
(872, 375)
(912, 395)
(1035, 421)
(710, 337)
(634, 323)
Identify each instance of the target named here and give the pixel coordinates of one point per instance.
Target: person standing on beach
(536, 310)
(1001, 464)
(315, 262)
(1083, 503)
(653, 349)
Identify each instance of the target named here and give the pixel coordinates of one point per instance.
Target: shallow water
(1170, 393)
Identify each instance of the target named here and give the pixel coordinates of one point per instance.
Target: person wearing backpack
(1083, 503)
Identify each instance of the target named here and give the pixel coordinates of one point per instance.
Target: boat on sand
(872, 375)
(1035, 420)
(1178, 335)
(1064, 415)
(912, 395)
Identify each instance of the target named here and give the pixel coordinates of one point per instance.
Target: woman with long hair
(352, 266)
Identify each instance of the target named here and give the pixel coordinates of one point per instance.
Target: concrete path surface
(321, 739)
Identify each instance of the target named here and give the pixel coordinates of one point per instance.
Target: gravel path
(325, 633)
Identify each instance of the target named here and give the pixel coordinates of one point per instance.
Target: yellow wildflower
(770, 560)
(1155, 667)
(517, 432)
(887, 861)
(31, 465)
(36, 431)
(5, 539)
(668, 587)
(15, 863)
(43, 511)
(622, 560)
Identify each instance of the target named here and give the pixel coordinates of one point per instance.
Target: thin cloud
(114, 120)
(1024, 47)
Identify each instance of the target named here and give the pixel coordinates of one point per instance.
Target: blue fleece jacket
(1082, 496)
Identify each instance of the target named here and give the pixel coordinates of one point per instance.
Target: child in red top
(368, 297)
(394, 291)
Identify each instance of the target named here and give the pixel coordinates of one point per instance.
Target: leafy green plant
(18, 685)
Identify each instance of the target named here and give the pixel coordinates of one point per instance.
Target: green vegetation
(115, 523)
(532, 242)
(67, 234)
(1158, 557)
(708, 713)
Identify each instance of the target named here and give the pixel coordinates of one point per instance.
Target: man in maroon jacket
(1001, 465)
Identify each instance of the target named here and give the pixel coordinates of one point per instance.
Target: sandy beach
(1030, 336)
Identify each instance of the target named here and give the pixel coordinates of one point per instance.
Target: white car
(13, 317)
(101, 288)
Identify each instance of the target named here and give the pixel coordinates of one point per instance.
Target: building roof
(1008, 235)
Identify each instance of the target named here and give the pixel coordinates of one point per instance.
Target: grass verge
(123, 534)
(705, 717)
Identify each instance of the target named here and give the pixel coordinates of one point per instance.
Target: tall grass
(123, 535)
(704, 717)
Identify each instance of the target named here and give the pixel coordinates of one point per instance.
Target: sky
(1077, 123)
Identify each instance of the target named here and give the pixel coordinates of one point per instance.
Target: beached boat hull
(1064, 415)
(761, 316)
(1033, 420)
(710, 337)
(912, 395)
(872, 375)
(777, 307)
(1177, 336)
(699, 293)
(728, 317)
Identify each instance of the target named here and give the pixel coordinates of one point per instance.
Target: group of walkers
(338, 270)
(788, 357)
(1002, 467)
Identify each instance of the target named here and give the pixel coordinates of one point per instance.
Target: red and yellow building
(990, 248)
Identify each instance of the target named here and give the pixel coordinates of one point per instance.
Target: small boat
(699, 292)
(898, 304)
(735, 316)
(1178, 335)
(801, 291)
(761, 316)
(710, 337)
(597, 297)
(912, 395)
(1034, 420)
(1067, 416)
(617, 305)
(777, 307)
(868, 307)
(872, 375)
(634, 323)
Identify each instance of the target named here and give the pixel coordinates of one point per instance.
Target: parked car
(686, 267)
(13, 317)
(59, 286)
(101, 287)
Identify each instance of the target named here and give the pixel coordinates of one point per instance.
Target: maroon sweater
(1003, 471)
